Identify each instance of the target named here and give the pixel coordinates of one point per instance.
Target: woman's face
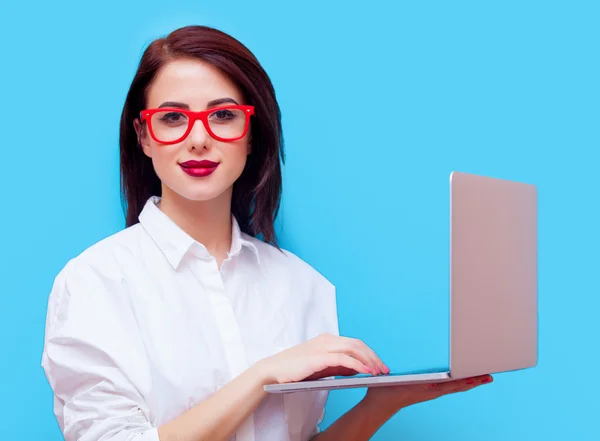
(194, 85)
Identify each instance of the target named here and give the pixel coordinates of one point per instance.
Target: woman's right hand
(323, 356)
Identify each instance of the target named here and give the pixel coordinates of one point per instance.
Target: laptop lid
(493, 275)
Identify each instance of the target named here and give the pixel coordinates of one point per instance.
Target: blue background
(381, 101)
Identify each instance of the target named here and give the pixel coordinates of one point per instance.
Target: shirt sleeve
(323, 312)
(93, 360)
(330, 306)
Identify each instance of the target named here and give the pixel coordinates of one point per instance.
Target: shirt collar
(240, 240)
(176, 243)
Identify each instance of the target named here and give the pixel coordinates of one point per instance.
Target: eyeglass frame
(193, 116)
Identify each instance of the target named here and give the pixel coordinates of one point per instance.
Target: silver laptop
(493, 286)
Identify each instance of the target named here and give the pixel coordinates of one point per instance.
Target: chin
(202, 193)
(197, 190)
(201, 196)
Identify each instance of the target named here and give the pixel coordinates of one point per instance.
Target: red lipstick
(199, 168)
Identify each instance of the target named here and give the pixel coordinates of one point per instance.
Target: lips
(199, 168)
(199, 164)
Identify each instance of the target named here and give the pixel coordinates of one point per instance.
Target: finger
(344, 360)
(358, 350)
(333, 371)
(380, 364)
(472, 382)
(349, 346)
(462, 385)
(374, 363)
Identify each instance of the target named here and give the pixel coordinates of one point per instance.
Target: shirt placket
(231, 337)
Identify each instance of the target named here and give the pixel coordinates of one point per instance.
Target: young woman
(169, 329)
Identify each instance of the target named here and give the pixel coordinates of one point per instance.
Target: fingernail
(386, 369)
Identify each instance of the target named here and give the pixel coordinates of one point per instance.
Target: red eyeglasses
(170, 125)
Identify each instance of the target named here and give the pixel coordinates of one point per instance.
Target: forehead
(193, 82)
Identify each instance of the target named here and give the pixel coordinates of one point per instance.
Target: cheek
(237, 156)
(163, 159)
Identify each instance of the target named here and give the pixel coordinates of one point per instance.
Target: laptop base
(359, 381)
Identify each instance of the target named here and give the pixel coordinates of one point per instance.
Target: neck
(208, 222)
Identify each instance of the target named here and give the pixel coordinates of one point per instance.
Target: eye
(223, 115)
(172, 117)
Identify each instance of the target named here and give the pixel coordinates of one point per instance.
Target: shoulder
(283, 261)
(94, 278)
(105, 260)
(89, 319)
(310, 295)
(108, 255)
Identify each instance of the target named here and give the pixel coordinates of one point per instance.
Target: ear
(142, 137)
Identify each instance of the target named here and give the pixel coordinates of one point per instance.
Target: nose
(198, 136)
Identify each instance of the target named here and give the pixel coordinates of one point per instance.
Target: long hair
(257, 192)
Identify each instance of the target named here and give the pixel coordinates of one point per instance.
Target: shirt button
(192, 403)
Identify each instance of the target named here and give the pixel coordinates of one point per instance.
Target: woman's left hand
(394, 398)
(382, 402)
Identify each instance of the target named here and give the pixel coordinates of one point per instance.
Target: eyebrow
(210, 103)
(221, 101)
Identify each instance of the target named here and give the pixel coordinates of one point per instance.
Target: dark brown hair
(257, 193)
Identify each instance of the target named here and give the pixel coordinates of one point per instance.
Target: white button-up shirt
(143, 325)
